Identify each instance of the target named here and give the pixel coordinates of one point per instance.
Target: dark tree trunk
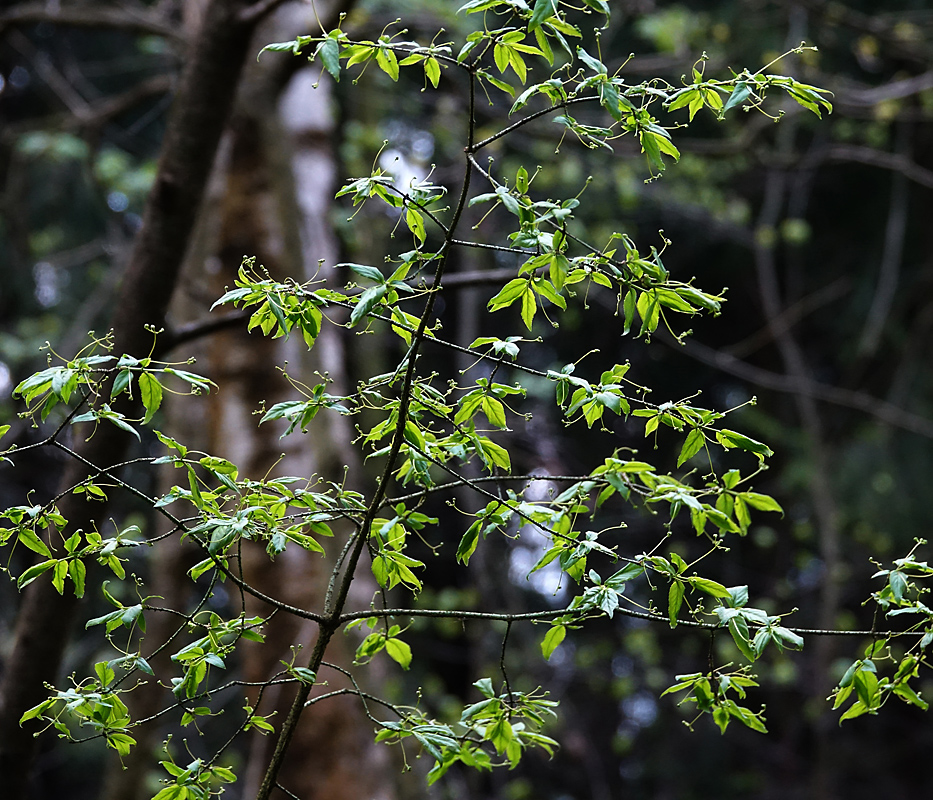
(205, 96)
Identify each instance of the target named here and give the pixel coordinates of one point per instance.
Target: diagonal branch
(805, 387)
(897, 162)
(96, 16)
(790, 316)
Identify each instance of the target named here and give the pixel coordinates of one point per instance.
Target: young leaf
(387, 61)
(399, 652)
(367, 302)
(739, 95)
(542, 10)
(675, 597)
(729, 439)
(552, 640)
(692, 446)
(150, 391)
(329, 51)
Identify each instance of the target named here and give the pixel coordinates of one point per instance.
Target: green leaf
(628, 308)
(495, 454)
(281, 47)
(120, 742)
(509, 293)
(762, 502)
(729, 439)
(675, 597)
(615, 103)
(365, 271)
(529, 307)
(542, 10)
(387, 62)
(501, 57)
(150, 391)
(499, 84)
(552, 640)
(593, 63)
(118, 420)
(602, 6)
(381, 570)
(34, 572)
(468, 543)
(367, 302)
(494, 411)
(649, 309)
(36, 711)
(432, 69)
(709, 587)
(787, 637)
(739, 95)
(415, 223)
(898, 584)
(682, 99)
(721, 718)
(857, 709)
(121, 383)
(738, 596)
(227, 775)
(329, 51)
(692, 446)
(172, 793)
(27, 537)
(746, 717)
(866, 687)
(738, 627)
(544, 46)
(908, 695)
(399, 652)
(521, 180)
(78, 573)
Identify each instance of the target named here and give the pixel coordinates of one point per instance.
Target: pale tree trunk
(335, 738)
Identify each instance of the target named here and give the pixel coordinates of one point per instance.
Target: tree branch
(118, 19)
(892, 254)
(836, 13)
(532, 616)
(198, 329)
(479, 277)
(790, 316)
(895, 90)
(898, 162)
(805, 387)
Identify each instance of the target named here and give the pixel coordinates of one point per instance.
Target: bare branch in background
(882, 410)
(890, 267)
(93, 16)
(896, 90)
(198, 329)
(790, 317)
(835, 13)
(896, 162)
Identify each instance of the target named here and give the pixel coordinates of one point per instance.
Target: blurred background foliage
(835, 349)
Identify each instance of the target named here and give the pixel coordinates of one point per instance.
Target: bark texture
(270, 197)
(205, 96)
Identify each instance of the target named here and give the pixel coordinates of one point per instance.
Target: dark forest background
(820, 228)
